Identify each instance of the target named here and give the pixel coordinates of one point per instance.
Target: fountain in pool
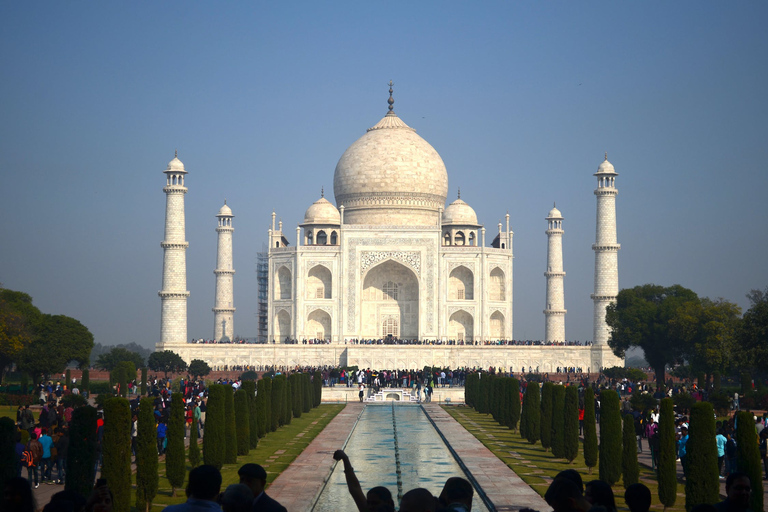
(396, 447)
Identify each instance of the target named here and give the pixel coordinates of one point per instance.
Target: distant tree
(249, 375)
(703, 481)
(214, 442)
(18, 322)
(146, 455)
(198, 368)
(109, 360)
(144, 381)
(571, 424)
(546, 415)
(59, 339)
(630, 470)
(532, 414)
(667, 470)
(753, 334)
(610, 437)
(514, 406)
(167, 362)
(230, 426)
(558, 422)
(645, 317)
(748, 456)
(590, 429)
(175, 466)
(118, 378)
(116, 452)
(81, 453)
(243, 421)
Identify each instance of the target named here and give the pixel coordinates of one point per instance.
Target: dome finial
(606, 156)
(554, 204)
(175, 153)
(391, 101)
(225, 201)
(459, 192)
(322, 191)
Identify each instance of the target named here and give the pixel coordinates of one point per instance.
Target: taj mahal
(390, 276)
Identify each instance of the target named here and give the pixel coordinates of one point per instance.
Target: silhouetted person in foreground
(418, 500)
(599, 493)
(638, 498)
(738, 491)
(564, 495)
(202, 491)
(255, 477)
(456, 495)
(378, 499)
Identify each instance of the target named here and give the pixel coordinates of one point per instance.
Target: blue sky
(261, 99)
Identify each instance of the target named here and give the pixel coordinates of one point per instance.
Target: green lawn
(275, 451)
(537, 467)
(8, 411)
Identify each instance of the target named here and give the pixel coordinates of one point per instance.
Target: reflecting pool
(387, 437)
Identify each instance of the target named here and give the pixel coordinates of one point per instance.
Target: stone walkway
(298, 487)
(498, 482)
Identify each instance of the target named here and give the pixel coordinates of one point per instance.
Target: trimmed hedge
(514, 409)
(261, 407)
(214, 443)
(175, 465)
(194, 448)
(571, 424)
(230, 426)
(546, 415)
(306, 393)
(81, 454)
(667, 470)
(249, 387)
(748, 456)
(287, 408)
(146, 455)
(531, 415)
(269, 422)
(630, 470)
(590, 429)
(116, 452)
(277, 401)
(558, 421)
(702, 485)
(144, 381)
(297, 389)
(610, 437)
(243, 421)
(317, 385)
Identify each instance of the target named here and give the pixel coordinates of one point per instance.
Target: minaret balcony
(178, 189)
(551, 273)
(606, 247)
(172, 295)
(223, 310)
(606, 191)
(555, 311)
(174, 245)
(603, 297)
(224, 271)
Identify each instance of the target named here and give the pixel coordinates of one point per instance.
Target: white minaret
(606, 250)
(554, 312)
(173, 296)
(223, 310)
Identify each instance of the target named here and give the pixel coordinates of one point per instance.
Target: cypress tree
(610, 437)
(469, 390)
(571, 424)
(492, 405)
(702, 485)
(116, 452)
(317, 383)
(175, 466)
(506, 402)
(194, 448)
(117, 378)
(546, 415)
(85, 383)
(558, 421)
(249, 387)
(297, 391)
(667, 470)
(514, 409)
(748, 456)
(261, 405)
(590, 429)
(287, 402)
(533, 404)
(524, 415)
(482, 393)
(146, 455)
(630, 471)
(214, 442)
(268, 421)
(7, 450)
(277, 401)
(243, 421)
(230, 426)
(144, 381)
(81, 454)
(307, 392)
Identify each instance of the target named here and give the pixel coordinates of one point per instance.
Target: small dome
(606, 167)
(175, 165)
(225, 211)
(459, 212)
(554, 213)
(322, 212)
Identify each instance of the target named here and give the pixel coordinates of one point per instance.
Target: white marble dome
(175, 165)
(459, 213)
(391, 176)
(225, 211)
(322, 212)
(554, 213)
(606, 167)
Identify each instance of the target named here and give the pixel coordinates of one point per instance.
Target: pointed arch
(283, 283)
(497, 326)
(461, 326)
(319, 283)
(282, 325)
(390, 289)
(498, 287)
(318, 325)
(461, 284)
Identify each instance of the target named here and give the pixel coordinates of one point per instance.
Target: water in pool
(424, 459)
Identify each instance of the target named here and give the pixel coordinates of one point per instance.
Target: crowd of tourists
(393, 340)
